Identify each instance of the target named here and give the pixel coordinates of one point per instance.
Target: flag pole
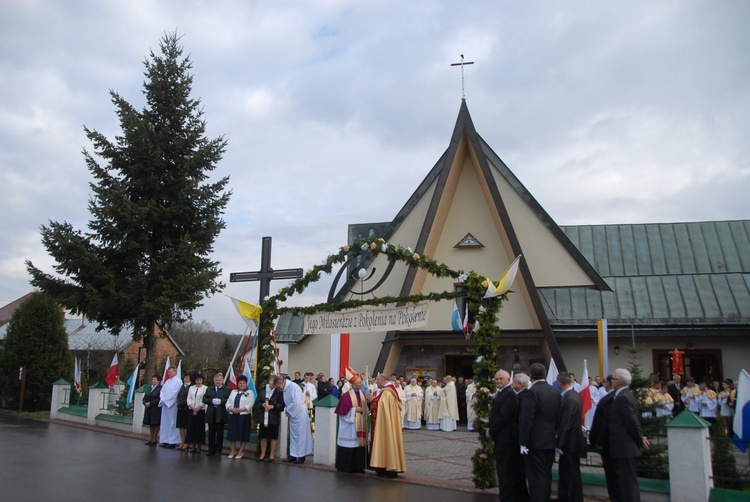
(231, 363)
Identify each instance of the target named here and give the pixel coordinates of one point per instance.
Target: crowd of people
(530, 421)
(179, 412)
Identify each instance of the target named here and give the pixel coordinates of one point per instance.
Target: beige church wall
(470, 213)
(406, 235)
(550, 262)
(314, 354)
(735, 352)
(364, 349)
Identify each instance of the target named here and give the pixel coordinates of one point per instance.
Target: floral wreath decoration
(486, 311)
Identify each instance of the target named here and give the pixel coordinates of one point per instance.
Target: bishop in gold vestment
(387, 450)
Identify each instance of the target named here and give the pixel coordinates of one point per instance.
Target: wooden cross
(266, 274)
(461, 64)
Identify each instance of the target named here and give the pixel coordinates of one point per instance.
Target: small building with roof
(96, 348)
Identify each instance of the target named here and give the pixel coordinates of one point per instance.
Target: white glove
(559, 451)
(216, 401)
(524, 450)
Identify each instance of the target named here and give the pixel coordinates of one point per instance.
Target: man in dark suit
(461, 397)
(520, 385)
(216, 414)
(503, 430)
(675, 391)
(537, 421)
(598, 437)
(625, 437)
(570, 441)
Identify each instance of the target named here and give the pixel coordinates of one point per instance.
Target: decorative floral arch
(485, 309)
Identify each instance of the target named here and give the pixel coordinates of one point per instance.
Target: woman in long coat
(196, 430)
(268, 408)
(152, 413)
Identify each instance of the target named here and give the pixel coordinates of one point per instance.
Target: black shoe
(148, 443)
(210, 454)
(290, 460)
(299, 460)
(171, 446)
(391, 474)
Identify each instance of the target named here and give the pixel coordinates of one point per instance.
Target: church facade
(661, 287)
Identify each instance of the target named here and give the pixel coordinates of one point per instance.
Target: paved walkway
(436, 459)
(49, 460)
(441, 458)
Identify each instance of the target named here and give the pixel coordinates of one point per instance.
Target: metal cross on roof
(461, 64)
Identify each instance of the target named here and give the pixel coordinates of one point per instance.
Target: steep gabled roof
(6, 311)
(490, 165)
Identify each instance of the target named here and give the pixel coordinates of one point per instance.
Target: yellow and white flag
(249, 312)
(505, 282)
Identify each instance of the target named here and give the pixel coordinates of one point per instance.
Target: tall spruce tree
(36, 341)
(145, 258)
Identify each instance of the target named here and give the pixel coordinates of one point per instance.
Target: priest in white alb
(413, 406)
(300, 435)
(471, 413)
(432, 406)
(448, 405)
(169, 434)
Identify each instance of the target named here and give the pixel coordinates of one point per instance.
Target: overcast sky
(608, 112)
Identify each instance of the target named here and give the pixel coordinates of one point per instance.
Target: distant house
(96, 348)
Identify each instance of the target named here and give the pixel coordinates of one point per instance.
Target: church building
(660, 287)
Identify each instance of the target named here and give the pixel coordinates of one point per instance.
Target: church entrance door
(457, 366)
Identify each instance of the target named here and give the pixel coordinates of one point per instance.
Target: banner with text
(367, 319)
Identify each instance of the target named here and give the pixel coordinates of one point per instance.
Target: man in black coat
(216, 414)
(598, 437)
(537, 422)
(503, 430)
(461, 397)
(675, 391)
(625, 437)
(570, 441)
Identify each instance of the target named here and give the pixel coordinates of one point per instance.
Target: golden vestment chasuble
(387, 438)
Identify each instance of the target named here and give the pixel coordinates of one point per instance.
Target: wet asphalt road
(41, 461)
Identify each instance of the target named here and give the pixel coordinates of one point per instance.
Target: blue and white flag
(552, 374)
(741, 423)
(131, 384)
(250, 383)
(456, 318)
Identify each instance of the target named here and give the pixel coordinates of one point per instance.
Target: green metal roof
(289, 328)
(665, 274)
